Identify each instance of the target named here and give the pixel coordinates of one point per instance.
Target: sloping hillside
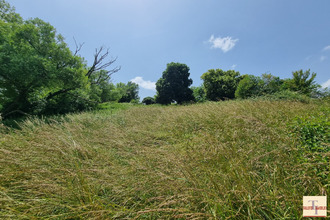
(234, 159)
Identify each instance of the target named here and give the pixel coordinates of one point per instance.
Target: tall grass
(226, 160)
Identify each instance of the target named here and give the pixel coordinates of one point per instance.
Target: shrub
(134, 101)
(249, 86)
(148, 100)
(287, 95)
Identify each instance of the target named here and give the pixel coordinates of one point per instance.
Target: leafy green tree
(174, 84)
(107, 93)
(302, 82)
(35, 62)
(252, 86)
(103, 91)
(129, 92)
(148, 100)
(249, 86)
(37, 69)
(270, 84)
(220, 85)
(8, 14)
(199, 93)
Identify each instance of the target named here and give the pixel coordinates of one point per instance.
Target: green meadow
(248, 159)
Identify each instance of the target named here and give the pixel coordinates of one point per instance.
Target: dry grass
(228, 160)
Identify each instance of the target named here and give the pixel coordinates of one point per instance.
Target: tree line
(173, 86)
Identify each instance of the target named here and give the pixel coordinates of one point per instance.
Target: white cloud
(144, 84)
(225, 43)
(233, 66)
(326, 48)
(323, 58)
(326, 84)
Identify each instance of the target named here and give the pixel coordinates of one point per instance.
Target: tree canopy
(148, 100)
(128, 92)
(219, 84)
(174, 84)
(302, 82)
(199, 93)
(252, 86)
(249, 86)
(38, 69)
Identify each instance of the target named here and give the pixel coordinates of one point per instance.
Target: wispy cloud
(326, 48)
(225, 43)
(323, 58)
(308, 58)
(326, 84)
(144, 84)
(233, 66)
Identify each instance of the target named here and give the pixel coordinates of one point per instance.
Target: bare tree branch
(16, 111)
(100, 64)
(106, 76)
(51, 95)
(78, 47)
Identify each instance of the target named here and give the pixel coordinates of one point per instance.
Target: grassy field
(225, 160)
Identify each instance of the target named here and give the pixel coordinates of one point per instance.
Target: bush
(287, 95)
(249, 86)
(148, 100)
(134, 101)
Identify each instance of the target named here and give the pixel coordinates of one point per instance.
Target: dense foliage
(148, 100)
(128, 92)
(39, 74)
(199, 93)
(302, 82)
(220, 85)
(174, 84)
(249, 86)
(267, 84)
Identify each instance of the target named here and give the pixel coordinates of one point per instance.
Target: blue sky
(250, 36)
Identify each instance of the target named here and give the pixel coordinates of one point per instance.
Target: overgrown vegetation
(40, 75)
(225, 160)
(313, 136)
